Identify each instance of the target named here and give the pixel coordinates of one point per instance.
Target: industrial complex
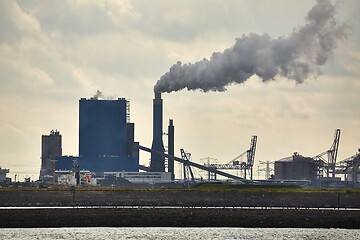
(108, 153)
(109, 156)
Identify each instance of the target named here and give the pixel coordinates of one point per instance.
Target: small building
(50, 150)
(142, 177)
(296, 167)
(67, 177)
(3, 172)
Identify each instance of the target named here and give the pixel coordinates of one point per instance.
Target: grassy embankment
(217, 187)
(191, 202)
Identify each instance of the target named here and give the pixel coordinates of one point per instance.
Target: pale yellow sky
(55, 52)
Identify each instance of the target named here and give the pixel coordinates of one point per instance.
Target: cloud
(295, 57)
(83, 80)
(15, 17)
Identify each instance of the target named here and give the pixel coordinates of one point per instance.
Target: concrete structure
(50, 150)
(157, 156)
(296, 167)
(171, 149)
(106, 138)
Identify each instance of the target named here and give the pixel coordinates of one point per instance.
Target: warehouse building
(296, 167)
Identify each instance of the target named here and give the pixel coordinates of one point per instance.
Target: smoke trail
(295, 57)
(98, 95)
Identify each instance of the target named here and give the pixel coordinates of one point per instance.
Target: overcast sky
(52, 53)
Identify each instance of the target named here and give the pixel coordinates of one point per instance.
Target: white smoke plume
(295, 57)
(99, 95)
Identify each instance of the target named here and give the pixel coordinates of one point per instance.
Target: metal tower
(331, 155)
(187, 168)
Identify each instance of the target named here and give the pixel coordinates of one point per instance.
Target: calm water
(177, 233)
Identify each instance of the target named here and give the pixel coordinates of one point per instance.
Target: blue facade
(102, 127)
(106, 140)
(99, 165)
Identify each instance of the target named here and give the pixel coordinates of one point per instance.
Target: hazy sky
(52, 53)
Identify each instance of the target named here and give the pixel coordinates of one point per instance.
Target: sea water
(177, 233)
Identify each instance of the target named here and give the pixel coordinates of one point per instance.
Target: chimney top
(158, 95)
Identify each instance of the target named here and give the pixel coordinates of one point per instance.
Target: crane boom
(235, 164)
(187, 168)
(234, 161)
(331, 155)
(251, 151)
(251, 155)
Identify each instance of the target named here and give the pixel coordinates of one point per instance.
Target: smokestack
(157, 159)
(296, 56)
(171, 149)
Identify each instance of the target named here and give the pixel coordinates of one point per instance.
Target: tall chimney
(157, 159)
(171, 149)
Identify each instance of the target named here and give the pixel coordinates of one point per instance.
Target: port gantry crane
(235, 164)
(350, 167)
(187, 168)
(330, 163)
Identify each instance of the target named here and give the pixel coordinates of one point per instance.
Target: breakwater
(184, 217)
(183, 198)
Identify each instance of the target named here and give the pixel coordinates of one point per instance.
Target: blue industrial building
(106, 138)
(102, 127)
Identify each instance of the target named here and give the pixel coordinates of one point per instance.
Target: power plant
(107, 147)
(106, 138)
(109, 153)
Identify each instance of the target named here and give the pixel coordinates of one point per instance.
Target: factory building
(141, 177)
(102, 127)
(68, 177)
(50, 150)
(106, 138)
(3, 177)
(296, 167)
